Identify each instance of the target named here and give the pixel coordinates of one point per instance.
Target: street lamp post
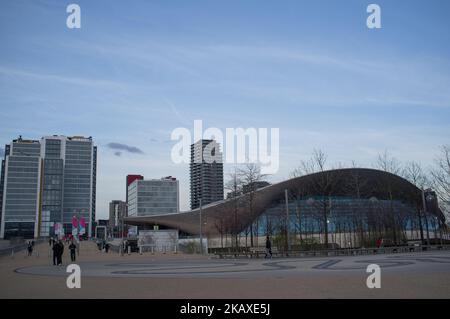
(122, 230)
(288, 243)
(425, 215)
(201, 226)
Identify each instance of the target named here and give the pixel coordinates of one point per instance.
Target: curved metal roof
(234, 214)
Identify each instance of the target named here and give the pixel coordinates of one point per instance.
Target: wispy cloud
(59, 78)
(118, 147)
(182, 119)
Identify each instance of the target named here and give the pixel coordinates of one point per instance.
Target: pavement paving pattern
(413, 275)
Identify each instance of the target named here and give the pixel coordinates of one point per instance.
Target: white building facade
(153, 197)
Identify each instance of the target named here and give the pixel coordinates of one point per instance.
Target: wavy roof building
(372, 202)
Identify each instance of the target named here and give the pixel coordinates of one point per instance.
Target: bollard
(140, 250)
(129, 250)
(12, 253)
(164, 252)
(176, 249)
(153, 250)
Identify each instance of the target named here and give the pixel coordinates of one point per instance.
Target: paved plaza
(413, 275)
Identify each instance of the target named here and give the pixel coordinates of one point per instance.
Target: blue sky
(138, 69)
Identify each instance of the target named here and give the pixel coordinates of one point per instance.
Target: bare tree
(387, 163)
(391, 165)
(322, 186)
(315, 164)
(234, 185)
(441, 178)
(415, 174)
(250, 174)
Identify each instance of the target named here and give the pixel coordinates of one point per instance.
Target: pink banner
(82, 226)
(74, 222)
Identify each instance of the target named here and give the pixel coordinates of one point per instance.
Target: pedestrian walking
(30, 248)
(268, 248)
(60, 252)
(55, 249)
(73, 251)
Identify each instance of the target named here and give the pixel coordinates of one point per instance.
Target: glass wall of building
(348, 221)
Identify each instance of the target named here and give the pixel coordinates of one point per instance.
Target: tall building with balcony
(57, 177)
(153, 197)
(206, 173)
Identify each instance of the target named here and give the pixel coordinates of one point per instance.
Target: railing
(258, 252)
(11, 251)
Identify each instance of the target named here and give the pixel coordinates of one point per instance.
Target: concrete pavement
(418, 275)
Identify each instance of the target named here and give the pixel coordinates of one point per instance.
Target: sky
(136, 70)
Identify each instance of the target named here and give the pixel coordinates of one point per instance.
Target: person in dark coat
(55, 249)
(30, 248)
(268, 248)
(73, 251)
(60, 252)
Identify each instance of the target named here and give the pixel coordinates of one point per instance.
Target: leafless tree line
(361, 227)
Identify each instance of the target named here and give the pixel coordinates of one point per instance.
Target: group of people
(58, 251)
(103, 246)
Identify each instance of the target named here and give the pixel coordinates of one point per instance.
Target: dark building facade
(206, 173)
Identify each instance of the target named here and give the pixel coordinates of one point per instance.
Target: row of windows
(51, 203)
(154, 188)
(53, 172)
(161, 203)
(22, 169)
(78, 203)
(17, 177)
(76, 172)
(20, 202)
(22, 196)
(27, 163)
(28, 213)
(75, 187)
(53, 180)
(74, 179)
(71, 192)
(142, 211)
(21, 190)
(19, 181)
(157, 194)
(51, 197)
(78, 163)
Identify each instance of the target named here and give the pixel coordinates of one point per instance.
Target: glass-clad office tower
(21, 188)
(58, 176)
